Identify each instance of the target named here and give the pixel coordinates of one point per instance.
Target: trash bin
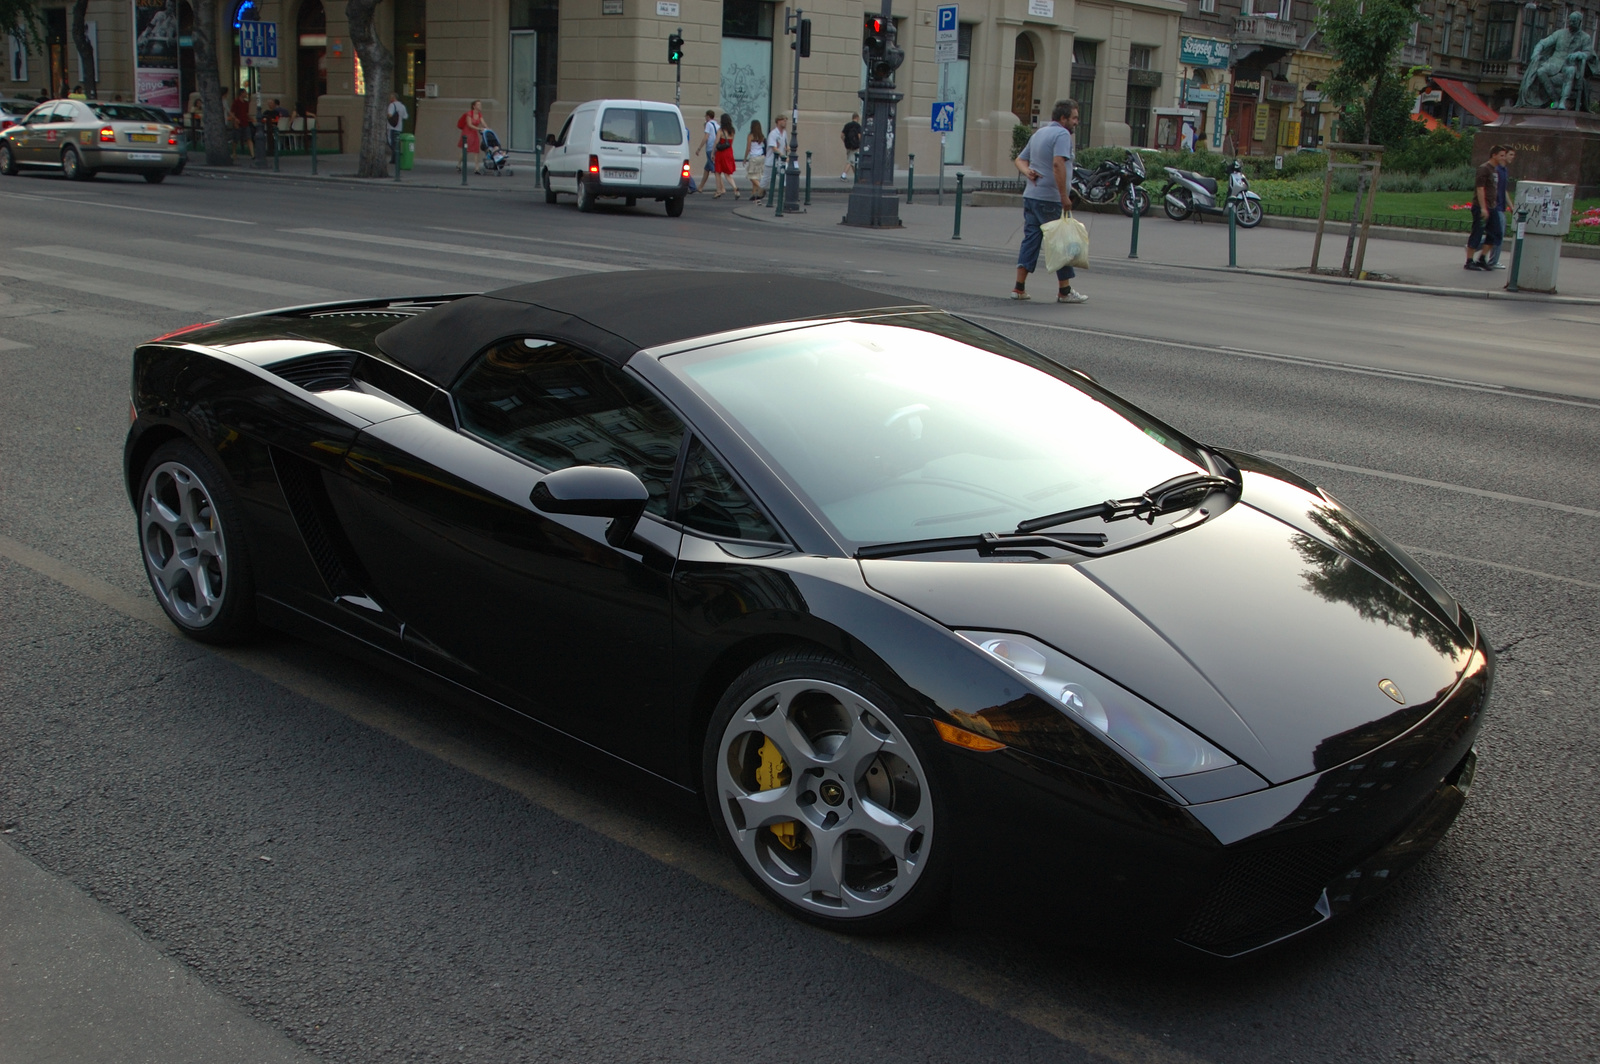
(408, 150)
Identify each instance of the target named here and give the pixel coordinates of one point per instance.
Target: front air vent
(320, 372)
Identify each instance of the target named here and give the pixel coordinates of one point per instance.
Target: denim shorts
(1488, 227)
(1035, 212)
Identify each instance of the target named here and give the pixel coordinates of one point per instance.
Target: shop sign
(1204, 52)
(1282, 91)
(1311, 96)
(1247, 87)
(1148, 78)
(1198, 95)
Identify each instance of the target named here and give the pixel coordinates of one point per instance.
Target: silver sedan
(82, 138)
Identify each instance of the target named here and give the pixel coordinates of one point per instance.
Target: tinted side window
(620, 125)
(711, 501)
(662, 127)
(557, 406)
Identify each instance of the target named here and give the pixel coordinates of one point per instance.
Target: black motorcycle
(1113, 182)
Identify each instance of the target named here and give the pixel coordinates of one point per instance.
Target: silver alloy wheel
(1249, 213)
(184, 552)
(70, 164)
(852, 788)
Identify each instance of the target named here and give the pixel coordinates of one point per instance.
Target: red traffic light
(877, 25)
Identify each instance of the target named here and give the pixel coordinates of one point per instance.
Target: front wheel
(820, 794)
(1184, 207)
(549, 193)
(1247, 213)
(193, 544)
(8, 162)
(1135, 201)
(585, 197)
(675, 207)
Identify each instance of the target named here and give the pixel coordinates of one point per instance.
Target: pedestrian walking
(708, 144)
(397, 115)
(755, 157)
(1485, 219)
(472, 125)
(1502, 208)
(725, 164)
(1045, 163)
(777, 148)
(851, 135)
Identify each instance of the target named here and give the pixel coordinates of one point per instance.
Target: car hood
(1267, 634)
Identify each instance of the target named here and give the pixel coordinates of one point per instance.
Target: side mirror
(595, 491)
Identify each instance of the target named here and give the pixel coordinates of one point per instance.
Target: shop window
(746, 78)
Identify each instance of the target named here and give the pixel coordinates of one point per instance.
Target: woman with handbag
(755, 157)
(472, 125)
(723, 157)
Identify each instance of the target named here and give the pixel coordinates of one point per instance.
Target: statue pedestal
(1550, 145)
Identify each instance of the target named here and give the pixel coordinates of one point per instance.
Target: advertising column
(155, 54)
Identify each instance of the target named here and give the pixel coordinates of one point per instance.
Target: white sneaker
(844, 177)
(1071, 296)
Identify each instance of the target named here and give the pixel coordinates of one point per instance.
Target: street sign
(944, 51)
(944, 116)
(258, 43)
(946, 35)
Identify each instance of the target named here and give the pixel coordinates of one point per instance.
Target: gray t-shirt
(1048, 143)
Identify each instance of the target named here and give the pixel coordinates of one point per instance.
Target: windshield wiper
(986, 543)
(1165, 496)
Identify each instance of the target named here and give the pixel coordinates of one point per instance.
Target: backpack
(852, 136)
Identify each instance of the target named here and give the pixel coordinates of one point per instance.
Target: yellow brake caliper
(772, 773)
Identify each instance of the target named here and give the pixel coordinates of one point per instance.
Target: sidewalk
(520, 175)
(1425, 268)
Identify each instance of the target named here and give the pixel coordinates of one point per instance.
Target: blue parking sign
(944, 117)
(947, 18)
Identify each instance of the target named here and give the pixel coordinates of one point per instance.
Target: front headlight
(1160, 743)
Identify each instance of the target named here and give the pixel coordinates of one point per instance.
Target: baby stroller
(496, 159)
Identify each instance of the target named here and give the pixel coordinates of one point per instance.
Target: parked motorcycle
(1192, 193)
(1113, 182)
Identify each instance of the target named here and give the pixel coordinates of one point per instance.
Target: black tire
(1248, 214)
(894, 863)
(155, 177)
(8, 162)
(549, 193)
(72, 166)
(202, 579)
(1135, 201)
(586, 196)
(1178, 214)
(675, 207)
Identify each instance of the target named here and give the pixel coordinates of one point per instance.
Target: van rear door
(619, 147)
(664, 145)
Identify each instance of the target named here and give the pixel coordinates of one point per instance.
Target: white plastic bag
(1066, 243)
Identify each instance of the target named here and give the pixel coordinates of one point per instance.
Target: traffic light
(805, 38)
(878, 48)
(675, 48)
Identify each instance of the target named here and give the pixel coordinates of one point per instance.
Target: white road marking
(125, 207)
(358, 255)
(1425, 552)
(464, 250)
(97, 286)
(533, 239)
(1036, 1007)
(1499, 496)
(196, 275)
(12, 345)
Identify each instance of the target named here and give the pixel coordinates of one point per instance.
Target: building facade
(530, 62)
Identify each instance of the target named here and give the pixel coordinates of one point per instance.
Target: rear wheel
(585, 197)
(1247, 213)
(1135, 201)
(155, 177)
(72, 166)
(1183, 209)
(820, 794)
(549, 193)
(674, 206)
(8, 162)
(193, 543)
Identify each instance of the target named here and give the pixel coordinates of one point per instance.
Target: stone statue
(1559, 68)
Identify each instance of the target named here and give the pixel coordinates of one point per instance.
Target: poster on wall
(155, 53)
(19, 59)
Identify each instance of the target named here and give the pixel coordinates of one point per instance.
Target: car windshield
(923, 426)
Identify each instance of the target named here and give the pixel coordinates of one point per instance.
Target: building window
(1208, 7)
(1138, 115)
(1466, 36)
(1139, 58)
(1286, 10)
(953, 87)
(1444, 32)
(1535, 25)
(1083, 69)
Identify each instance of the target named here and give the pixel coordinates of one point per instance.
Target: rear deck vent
(320, 372)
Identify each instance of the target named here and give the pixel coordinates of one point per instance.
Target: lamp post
(873, 200)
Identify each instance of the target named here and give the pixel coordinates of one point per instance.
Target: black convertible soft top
(615, 315)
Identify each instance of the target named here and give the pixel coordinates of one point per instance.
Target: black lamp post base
(873, 207)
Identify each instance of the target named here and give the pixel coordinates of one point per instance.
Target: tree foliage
(377, 65)
(1366, 36)
(21, 19)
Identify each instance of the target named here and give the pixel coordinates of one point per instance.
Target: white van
(636, 149)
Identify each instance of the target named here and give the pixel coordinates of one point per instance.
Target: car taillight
(172, 139)
(594, 164)
(108, 135)
(688, 171)
(6, 123)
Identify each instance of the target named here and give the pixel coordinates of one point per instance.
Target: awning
(1466, 98)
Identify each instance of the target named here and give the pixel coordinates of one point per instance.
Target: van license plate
(627, 175)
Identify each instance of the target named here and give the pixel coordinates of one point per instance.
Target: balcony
(1258, 30)
(1504, 71)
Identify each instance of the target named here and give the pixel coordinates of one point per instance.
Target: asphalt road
(333, 860)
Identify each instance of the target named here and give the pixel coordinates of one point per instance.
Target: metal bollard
(960, 180)
(463, 163)
(783, 190)
(397, 156)
(1233, 236)
(1516, 250)
(808, 179)
(313, 124)
(911, 176)
(277, 151)
(1133, 242)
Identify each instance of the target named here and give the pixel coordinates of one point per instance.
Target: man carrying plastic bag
(1047, 164)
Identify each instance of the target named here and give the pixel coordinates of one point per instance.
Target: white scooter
(1192, 193)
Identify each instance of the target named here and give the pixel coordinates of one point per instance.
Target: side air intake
(320, 372)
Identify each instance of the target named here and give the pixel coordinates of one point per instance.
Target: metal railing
(1255, 29)
(1585, 235)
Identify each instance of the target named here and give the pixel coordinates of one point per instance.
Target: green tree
(1366, 36)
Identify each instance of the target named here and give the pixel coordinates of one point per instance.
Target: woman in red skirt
(722, 160)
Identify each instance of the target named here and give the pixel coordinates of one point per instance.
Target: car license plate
(144, 156)
(625, 174)
(149, 138)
